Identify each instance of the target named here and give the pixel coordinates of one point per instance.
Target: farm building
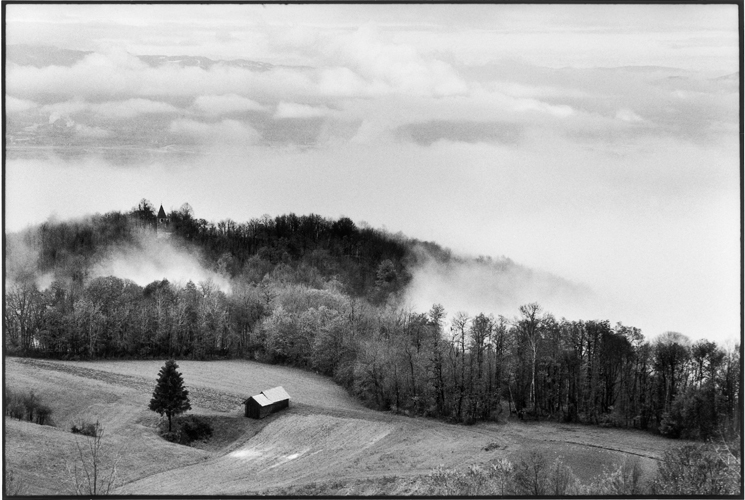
(266, 402)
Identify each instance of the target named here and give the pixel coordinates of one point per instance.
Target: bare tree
(94, 471)
(530, 325)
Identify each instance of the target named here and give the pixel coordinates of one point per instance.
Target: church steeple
(163, 227)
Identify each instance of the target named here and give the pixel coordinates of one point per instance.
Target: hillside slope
(325, 441)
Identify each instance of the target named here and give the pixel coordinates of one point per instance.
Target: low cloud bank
(21, 260)
(143, 261)
(494, 286)
(152, 259)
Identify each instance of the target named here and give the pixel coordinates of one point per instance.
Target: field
(326, 443)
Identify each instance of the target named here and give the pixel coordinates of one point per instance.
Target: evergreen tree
(170, 397)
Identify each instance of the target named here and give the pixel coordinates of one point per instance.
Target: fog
(152, 258)
(494, 286)
(597, 147)
(146, 259)
(21, 258)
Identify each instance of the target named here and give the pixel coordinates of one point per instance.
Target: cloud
(153, 259)
(231, 132)
(399, 67)
(293, 110)
(216, 105)
(465, 131)
(101, 77)
(69, 107)
(339, 81)
(93, 132)
(493, 287)
(13, 105)
(559, 111)
(344, 63)
(366, 75)
(131, 108)
(123, 109)
(628, 115)
(22, 256)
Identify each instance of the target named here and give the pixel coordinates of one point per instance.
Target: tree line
(321, 295)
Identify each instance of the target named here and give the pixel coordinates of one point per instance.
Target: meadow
(326, 443)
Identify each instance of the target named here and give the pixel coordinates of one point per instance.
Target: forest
(325, 295)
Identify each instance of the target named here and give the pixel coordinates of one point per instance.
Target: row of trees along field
(321, 294)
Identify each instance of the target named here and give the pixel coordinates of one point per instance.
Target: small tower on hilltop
(163, 227)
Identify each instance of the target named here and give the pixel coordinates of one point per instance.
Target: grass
(326, 443)
(236, 377)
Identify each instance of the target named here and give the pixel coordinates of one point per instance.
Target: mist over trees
(324, 295)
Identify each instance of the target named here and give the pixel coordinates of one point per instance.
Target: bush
(669, 426)
(474, 481)
(531, 475)
(27, 406)
(697, 470)
(187, 430)
(624, 480)
(31, 403)
(173, 436)
(695, 408)
(85, 428)
(43, 415)
(195, 428)
(14, 406)
(561, 479)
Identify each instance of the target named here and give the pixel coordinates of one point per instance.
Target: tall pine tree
(170, 397)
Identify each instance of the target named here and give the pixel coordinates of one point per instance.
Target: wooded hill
(324, 295)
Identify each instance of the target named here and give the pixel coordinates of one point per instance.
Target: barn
(266, 402)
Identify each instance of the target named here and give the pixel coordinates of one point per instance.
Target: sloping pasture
(325, 443)
(236, 377)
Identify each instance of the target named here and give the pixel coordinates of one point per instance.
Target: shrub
(173, 436)
(31, 403)
(195, 428)
(474, 481)
(530, 475)
(624, 480)
(695, 408)
(14, 406)
(43, 415)
(187, 430)
(696, 470)
(561, 480)
(501, 471)
(85, 428)
(27, 406)
(669, 426)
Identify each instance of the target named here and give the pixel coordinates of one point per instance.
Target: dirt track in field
(325, 438)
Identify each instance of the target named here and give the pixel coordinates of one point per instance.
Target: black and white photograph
(372, 249)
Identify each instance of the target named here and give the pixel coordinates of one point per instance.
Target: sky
(595, 143)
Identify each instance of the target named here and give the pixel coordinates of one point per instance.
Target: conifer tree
(170, 397)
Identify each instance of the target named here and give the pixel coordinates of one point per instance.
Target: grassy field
(326, 443)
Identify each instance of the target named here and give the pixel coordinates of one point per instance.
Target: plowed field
(325, 442)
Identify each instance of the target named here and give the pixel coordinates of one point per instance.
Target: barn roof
(276, 394)
(265, 398)
(261, 399)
